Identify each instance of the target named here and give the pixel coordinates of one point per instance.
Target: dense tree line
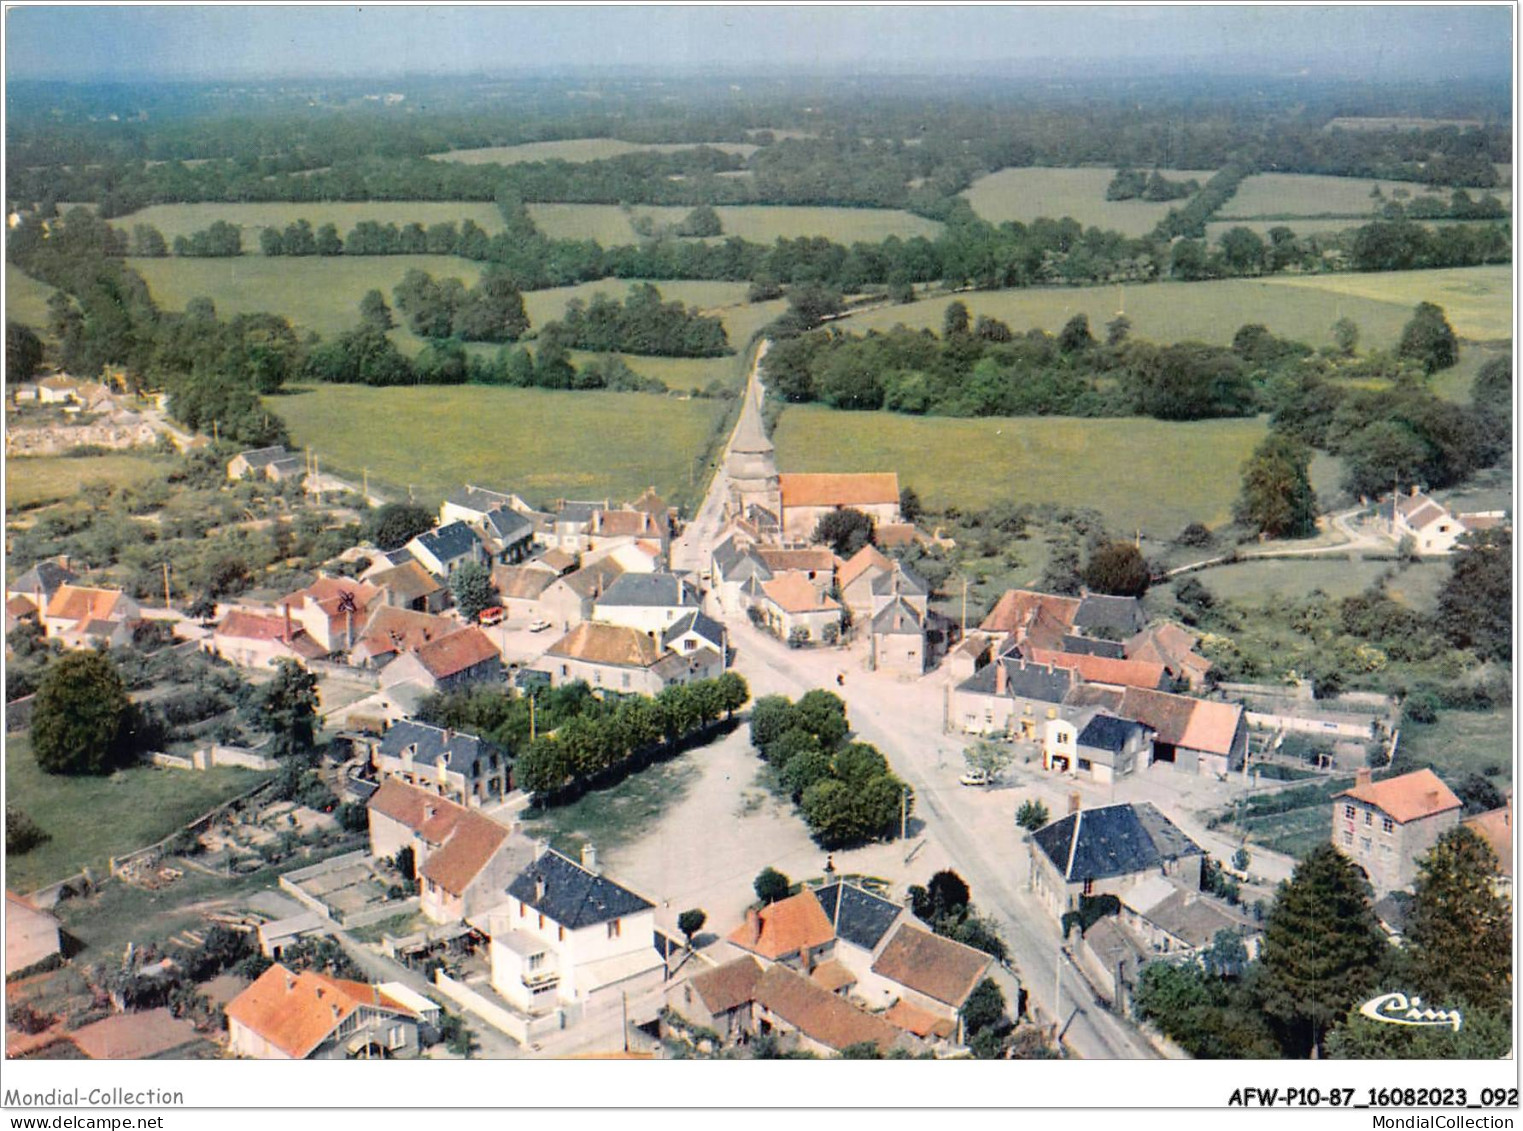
(491, 311)
(1134, 184)
(593, 744)
(643, 324)
(982, 368)
(220, 241)
(845, 791)
(1323, 954)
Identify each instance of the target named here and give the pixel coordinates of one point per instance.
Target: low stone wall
(386, 910)
(63, 438)
(174, 762)
(1315, 725)
(291, 881)
(218, 755)
(521, 1028)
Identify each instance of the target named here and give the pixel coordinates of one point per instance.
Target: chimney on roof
(334, 1006)
(1361, 777)
(539, 888)
(753, 925)
(290, 982)
(429, 810)
(1432, 798)
(288, 623)
(1075, 802)
(1415, 490)
(590, 857)
(806, 959)
(1000, 677)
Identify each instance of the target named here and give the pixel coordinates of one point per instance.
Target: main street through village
(973, 828)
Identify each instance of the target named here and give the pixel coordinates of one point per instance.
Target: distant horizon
(152, 45)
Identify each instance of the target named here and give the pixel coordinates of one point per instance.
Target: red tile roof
(921, 1022)
(1196, 724)
(595, 643)
(393, 629)
(1104, 669)
(929, 964)
(1495, 828)
(868, 557)
(833, 976)
(722, 988)
(793, 593)
(412, 807)
(253, 626)
(81, 603)
(456, 653)
(819, 1014)
(786, 927)
(296, 1012)
(456, 863)
(839, 489)
(1409, 797)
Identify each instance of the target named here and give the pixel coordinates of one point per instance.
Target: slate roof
(478, 498)
(901, 580)
(1192, 917)
(1122, 615)
(572, 896)
(1106, 732)
(595, 579)
(45, 577)
(701, 623)
(1093, 646)
(263, 457)
(462, 753)
(508, 526)
(577, 514)
(938, 967)
(1114, 840)
(1408, 797)
(449, 542)
(858, 916)
(650, 590)
(897, 618)
(736, 564)
(1037, 681)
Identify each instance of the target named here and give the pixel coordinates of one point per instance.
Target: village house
(19, 609)
(410, 586)
(31, 935)
(1112, 958)
(624, 660)
(855, 579)
(462, 858)
(740, 1000)
(445, 549)
(794, 931)
(807, 498)
(471, 505)
(1178, 922)
(815, 563)
(735, 563)
(506, 535)
(254, 640)
(1011, 696)
(695, 631)
(1495, 828)
(1386, 827)
(447, 663)
(519, 587)
(569, 600)
(649, 602)
(79, 616)
(39, 583)
(643, 556)
(898, 640)
(261, 463)
(567, 526)
(1107, 851)
(794, 610)
(614, 527)
(332, 610)
(286, 1015)
(1433, 528)
(1091, 623)
(1103, 669)
(1094, 745)
(459, 767)
(569, 937)
(1173, 647)
(1197, 736)
(931, 977)
(391, 631)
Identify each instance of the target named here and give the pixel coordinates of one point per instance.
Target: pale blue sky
(154, 42)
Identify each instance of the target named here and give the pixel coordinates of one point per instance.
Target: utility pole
(166, 584)
(531, 716)
(965, 606)
(624, 1004)
(904, 813)
(214, 432)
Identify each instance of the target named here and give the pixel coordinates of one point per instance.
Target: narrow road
(904, 721)
(1356, 540)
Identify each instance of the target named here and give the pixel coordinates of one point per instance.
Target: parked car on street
(491, 615)
(976, 777)
(539, 626)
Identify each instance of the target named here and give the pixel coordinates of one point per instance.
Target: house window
(625, 679)
(395, 1037)
(1364, 844)
(1348, 839)
(1348, 811)
(536, 961)
(1369, 817)
(546, 988)
(565, 670)
(689, 645)
(1089, 887)
(613, 928)
(560, 934)
(1387, 826)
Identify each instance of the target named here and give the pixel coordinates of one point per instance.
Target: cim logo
(1398, 1009)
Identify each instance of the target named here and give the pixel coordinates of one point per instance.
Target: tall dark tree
(1475, 607)
(288, 706)
(81, 716)
(1460, 930)
(374, 312)
(1322, 947)
(1119, 569)
(471, 586)
(1277, 497)
(845, 531)
(394, 525)
(1075, 336)
(771, 885)
(1429, 339)
(23, 351)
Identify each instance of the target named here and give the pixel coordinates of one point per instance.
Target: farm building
(1386, 827)
(807, 498)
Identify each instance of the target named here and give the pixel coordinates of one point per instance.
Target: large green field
(183, 219)
(33, 481)
(1028, 194)
(544, 445)
(1139, 473)
(759, 223)
(1477, 300)
(26, 300)
(575, 149)
(1267, 195)
(91, 819)
(1258, 582)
